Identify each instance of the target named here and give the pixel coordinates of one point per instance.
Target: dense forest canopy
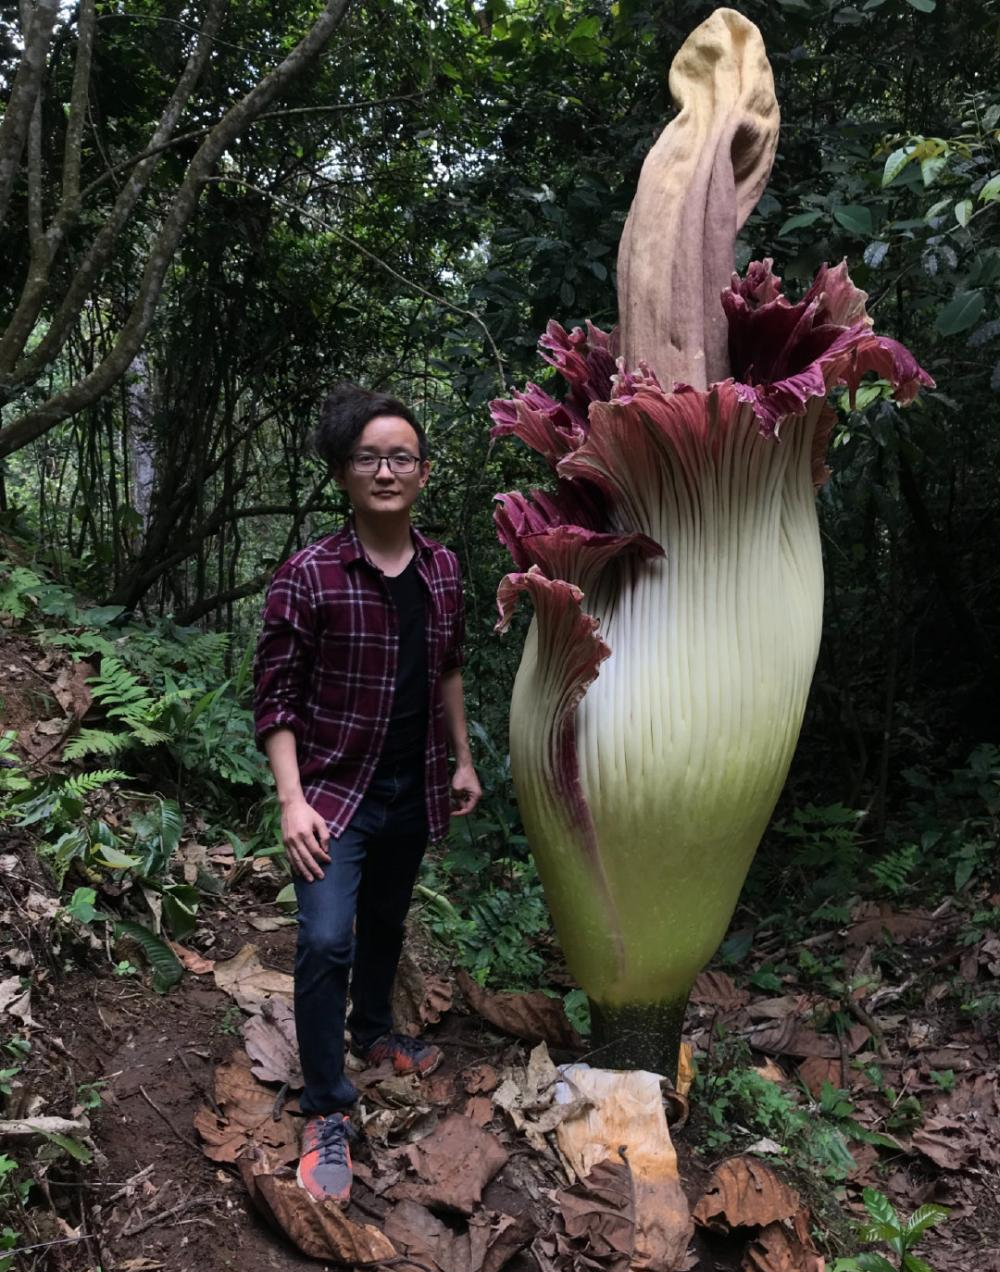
(212, 212)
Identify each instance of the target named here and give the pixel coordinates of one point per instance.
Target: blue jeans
(373, 866)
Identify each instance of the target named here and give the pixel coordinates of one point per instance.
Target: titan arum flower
(674, 565)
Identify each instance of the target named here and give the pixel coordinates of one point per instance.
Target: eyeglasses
(400, 463)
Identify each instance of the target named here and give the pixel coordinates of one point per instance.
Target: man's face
(384, 492)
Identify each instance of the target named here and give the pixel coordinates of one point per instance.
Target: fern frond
(117, 687)
(81, 784)
(96, 742)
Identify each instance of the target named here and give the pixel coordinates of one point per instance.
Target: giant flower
(674, 565)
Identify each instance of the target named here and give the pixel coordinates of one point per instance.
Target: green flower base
(638, 1036)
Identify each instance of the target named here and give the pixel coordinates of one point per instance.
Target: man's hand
(305, 836)
(465, 790)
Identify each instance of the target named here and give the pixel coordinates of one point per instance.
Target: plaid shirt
(326, 668)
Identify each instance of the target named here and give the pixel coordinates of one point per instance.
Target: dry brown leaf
(789, 1038)
(423, 1237)
(778, 1008)
(744, 1193)
(771, 1072)
(777, 1248)
(685, 1069)
(272, 1044)
(597, 1212)
(192, 960)
(267, 922)
(408, 995)
(511, 1234)
(625, 1113)
(479, 1108)
(480, 1078)
(947, 1141)
(248, 1107)
(246, 980)
(534, 1017)
(71, 691)
(453, 1165)
(15, 1000)
(815, 1070)
(49, 728)
(898, 927)
(320, 1229)
(438, 998)
(716, 989)
(528, 1097)
(439, 1088)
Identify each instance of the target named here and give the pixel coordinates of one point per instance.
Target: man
(358, 692)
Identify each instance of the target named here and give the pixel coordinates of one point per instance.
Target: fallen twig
(192, 1203)
(156, 1109)
(44, 1245)
(42, 1126)
(873, 1027)
(137, 1178)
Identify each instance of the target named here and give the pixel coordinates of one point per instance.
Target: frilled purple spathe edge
(782, 356)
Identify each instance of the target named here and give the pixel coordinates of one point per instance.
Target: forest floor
(806, 1095)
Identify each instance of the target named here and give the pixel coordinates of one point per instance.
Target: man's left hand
(465, 791)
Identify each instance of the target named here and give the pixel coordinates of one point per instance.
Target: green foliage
(166, 967)
(823, 850)
(738, 1105)
(482, 896)
(900, 1235)
(12, 779)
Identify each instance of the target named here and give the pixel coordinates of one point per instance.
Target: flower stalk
(674, 565)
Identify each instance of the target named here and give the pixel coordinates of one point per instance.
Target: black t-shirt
(407, 733)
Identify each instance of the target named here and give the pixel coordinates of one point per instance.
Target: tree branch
(407, 282)
(99, 253)
(78, 103)
(60, 406)
(23, 95)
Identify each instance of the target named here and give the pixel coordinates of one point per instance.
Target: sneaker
(325, 1170)
(408, 1055)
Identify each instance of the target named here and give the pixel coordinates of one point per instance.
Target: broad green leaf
(874, 1263)
(79, 1152)
(913, 1263)
(936, 209)
(931, 168)
(880, 1207)
(875, 253)
(963, 211)
(961, 313)
(924, 6)
(180, 909)
(100, 615)
(81, 905)
(923, 1218)
(855, 218)
(990, 191)
(287, 896)
(895, 164)
(167, 969)
(887, 1232)
(799, 221)
(115, 859)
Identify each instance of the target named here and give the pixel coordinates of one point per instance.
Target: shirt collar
(351, 548)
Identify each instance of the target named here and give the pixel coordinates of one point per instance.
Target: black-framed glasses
(400, 463)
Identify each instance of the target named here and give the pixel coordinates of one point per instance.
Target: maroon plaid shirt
(326, 668)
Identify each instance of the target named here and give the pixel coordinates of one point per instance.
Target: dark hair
(345, 411)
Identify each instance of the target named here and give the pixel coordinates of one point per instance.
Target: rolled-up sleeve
(454, 654)
(285, 655)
